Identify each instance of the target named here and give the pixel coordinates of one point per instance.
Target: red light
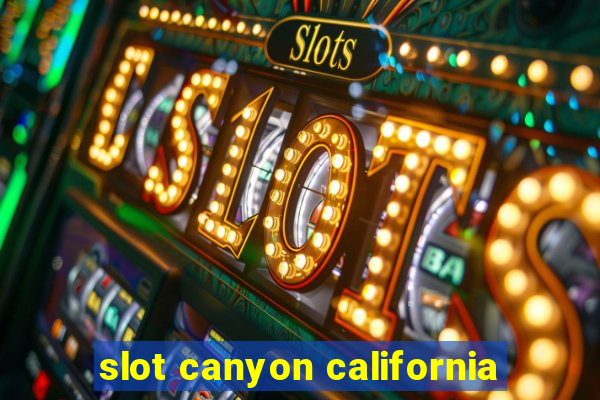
(40, 385)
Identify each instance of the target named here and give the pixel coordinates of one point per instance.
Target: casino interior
(440, 160)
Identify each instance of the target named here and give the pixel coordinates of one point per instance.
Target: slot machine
(326, 170)
(44, 48)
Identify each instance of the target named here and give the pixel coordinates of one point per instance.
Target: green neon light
(22, 28)
(12, 195)
(64, 47)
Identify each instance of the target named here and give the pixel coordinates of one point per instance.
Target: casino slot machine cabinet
(44, 46)
(329, 170)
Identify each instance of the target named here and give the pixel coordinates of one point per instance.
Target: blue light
(420, 76)
(515, 118)
(383, 59)
(548, 126)
(593, 152)
(551, 152)
(157, 34)
(573, 103)
(509, 145)
(496, 131)
(399, 68)
(392, 61)
(550, 98)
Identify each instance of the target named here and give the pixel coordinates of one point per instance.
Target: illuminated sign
(339, 49)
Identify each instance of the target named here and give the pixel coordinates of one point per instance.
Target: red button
(40, 385)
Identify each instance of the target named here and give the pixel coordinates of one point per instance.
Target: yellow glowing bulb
(172, 191)
(114, 151)
(140, 69)
(509, 216)
(378, 328)
(543, 353)
(500, 396)
(423, 139)
(186, 93)
(279, 174)
(402, 183)
(209, 225)
(387, 129)
(248, 113)
(404, 133)
(180, 106)
(214, 207)
(269, 222)
(384, 237)
(411, 161)
(213, 100)
(393, 209)
(199, 20)
(515, 282)
(183, 146)
(94, 152)
(99, 140)
(276, 196)
(232, 237)
(163, 197)
(501, 251)
(463, 58)
(562, 187)
(241, 131)
(359, 316)
(187, 18)
(582, 78)
(159, 188)
(153, 172)
(369, 292)
(119, 80)
(289, 154)
(221, 231)
(327, 213)
(461, 149)
(196, 79)
(530, 387)
(124, 67)
(538, 310)
(338, 161)
(458, 176)
(226, 25)
(270, 249)
(154, 11)
(206, 80)
(529, 190)
(590, 208)
(241, 27)
(104, 126)
(176, 121)
(375, 265)
(212, 23)
(148, 185)
(300, 261)
(234, 151)
(164, 15)
(221, 189)
(183, 162)
(177, 176)
(144, 11)
(318, 240)
(217, 82)
(343, 306)
(256, 29)
(111, 95)
(499, 65)
(335, 187)
(227, 169)
(405, 49)
(449, 335)
(537, 71)
(441, 145)
(175, 16)
(284, 268)
(433, 54)
(378, 151)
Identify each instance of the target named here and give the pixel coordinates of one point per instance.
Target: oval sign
(341, 49)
